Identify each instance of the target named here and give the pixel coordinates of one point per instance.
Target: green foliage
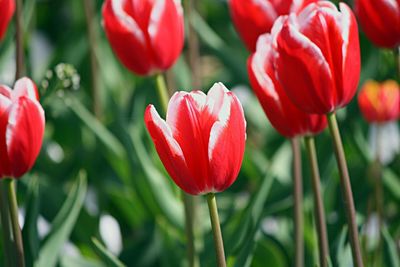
(111, 156)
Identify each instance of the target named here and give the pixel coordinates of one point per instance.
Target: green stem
(216, 228)
(346, 190)
(298, 203)
(187, 199)
(13, 207)
(162, 92)
(8, 243)
(318, 202)
(92, 38)
(379, 201)
(193, 49)
(189, 223)
(19, 40)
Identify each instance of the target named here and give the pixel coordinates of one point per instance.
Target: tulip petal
(24, 134)
(126, 38)
(7, 11)
(169, 151)
(252, 18)
(286, 118)
(25, 87)
(5, 91)
(261, 66)
(298, 61)
(5, 98)
(184, 118)
(351, 56)
(215, 101)
(380, 21)
(5, 162)
(323, 30)
(226, 145)
(166, 32)
(125, 21)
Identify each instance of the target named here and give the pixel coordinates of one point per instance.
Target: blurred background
(99, 195)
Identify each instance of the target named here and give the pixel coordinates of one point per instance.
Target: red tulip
(21, 128)
(7, 8)
(287, 119)
(146, 35)
(202, 141)
(318, 57)
(380, 20)
(255, 17)
(379, 102)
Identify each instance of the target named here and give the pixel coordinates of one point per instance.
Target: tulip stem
(318, 202)
(193, 51)
(189, 206)
(13, 207)
(162, 91)
(8, 243)
(92, 39)
(298, 200)
(216, 228)
(19, 40)
(346, 190)
(379, 201)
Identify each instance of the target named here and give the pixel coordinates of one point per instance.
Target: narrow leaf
(63, 224)
(30, 231)
(109, 259)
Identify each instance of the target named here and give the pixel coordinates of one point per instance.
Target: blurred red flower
(255, 17)
(380, 20)
(146, 35)
(380, 102)
(7, 8)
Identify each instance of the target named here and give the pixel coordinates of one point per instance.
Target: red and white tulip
(146, 35)
(253, 18)
(318, 57)
(22, 123)
(284, 116)
(201, 143)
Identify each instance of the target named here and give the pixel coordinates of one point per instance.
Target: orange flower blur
(380, 102)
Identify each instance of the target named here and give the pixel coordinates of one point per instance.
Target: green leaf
(251, 231)
(118, 156)
(68, 261)
(109, 259)
(268, 253)
(30, 231)
(391, 182)
(171, 207)
(343, 256)
(211, 39)
(105, 136)
(63, 224)
(390, 249)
